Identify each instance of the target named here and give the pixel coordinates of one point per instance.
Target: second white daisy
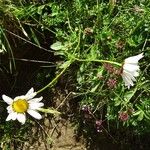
(21, 104)
(131, 69)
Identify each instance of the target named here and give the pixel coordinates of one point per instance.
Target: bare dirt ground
(56, 136)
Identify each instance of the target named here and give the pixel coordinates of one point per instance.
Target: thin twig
(34, 61)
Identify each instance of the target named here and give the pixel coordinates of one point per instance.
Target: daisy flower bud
(131, 69)
(20, 105)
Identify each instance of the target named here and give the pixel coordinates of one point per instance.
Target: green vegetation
(83, 43)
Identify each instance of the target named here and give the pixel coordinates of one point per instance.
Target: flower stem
(101, 61)
(65, 68)
(55, 79)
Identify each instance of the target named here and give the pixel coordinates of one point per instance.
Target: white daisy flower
(131, 69)
(21, 104)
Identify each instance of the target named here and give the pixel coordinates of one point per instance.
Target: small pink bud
(123, 116)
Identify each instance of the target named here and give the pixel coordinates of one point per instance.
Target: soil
(61, 137)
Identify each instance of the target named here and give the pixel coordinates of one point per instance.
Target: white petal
(35, 105)
(9, 109)
(134, 59)
(127, 83)
(130, 75)
(131, 67)
(127, 79)
(124, 79)
(9, 117)
(20, 97)
(29, 97)
(36, 99)
(30, 91)
(7, 99)
(34, 114)
(12, 116)
(21, 117)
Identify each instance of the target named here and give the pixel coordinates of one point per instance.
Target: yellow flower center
(20, 106)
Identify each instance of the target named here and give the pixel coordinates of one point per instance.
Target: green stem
(54, 80)
(81, 60)
(101, 61)
(65, 68)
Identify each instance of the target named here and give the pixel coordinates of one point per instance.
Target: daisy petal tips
(131, 69)
(20, 105)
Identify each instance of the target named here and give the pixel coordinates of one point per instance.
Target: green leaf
(147, 116)
(65, 64)
(117, 102)
(1, 51)
(94, 88)
(35, 38)
(134, 123)
(136, 113)
(57, 46)
(141, 116)
(128, 95)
